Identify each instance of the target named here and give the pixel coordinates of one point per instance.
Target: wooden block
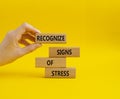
(51, 38)
(64, 52)
(50, 62)
(60, 72)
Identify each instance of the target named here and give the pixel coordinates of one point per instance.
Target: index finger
(24, 28)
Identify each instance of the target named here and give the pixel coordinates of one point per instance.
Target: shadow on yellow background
(92, 25)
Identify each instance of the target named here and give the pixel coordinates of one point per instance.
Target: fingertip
(38, 31)
(38, 45)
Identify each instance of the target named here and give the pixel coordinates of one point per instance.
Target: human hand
(10, 48)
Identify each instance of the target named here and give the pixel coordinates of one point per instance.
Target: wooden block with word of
(64, 52)
(50, 38)
(50, 62)
(60, 72)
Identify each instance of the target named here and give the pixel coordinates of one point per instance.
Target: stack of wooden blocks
(55, 64)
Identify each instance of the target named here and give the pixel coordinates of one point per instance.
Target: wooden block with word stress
(51, 62)
(60, 72)
(50, 38)
(64, 52)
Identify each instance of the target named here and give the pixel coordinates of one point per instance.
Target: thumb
(30, 48)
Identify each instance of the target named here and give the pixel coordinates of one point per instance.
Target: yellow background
(92, 25)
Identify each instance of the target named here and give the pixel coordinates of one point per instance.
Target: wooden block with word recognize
(64, 52)
(50, 62)
(60, 72)
(50, 38)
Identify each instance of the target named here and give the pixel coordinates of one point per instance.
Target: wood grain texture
(50, 62)
(60, 72)
(64, 52)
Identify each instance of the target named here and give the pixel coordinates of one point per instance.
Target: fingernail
(38, 30)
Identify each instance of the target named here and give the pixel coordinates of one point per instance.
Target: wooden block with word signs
(50, 38)
(64, 52)
(50, 62)
(60, 72)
